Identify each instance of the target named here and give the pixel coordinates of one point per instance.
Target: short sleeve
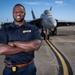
(3, 36)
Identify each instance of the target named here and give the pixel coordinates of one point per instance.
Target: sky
(61, 9)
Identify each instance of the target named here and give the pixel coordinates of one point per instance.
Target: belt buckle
(14, 68)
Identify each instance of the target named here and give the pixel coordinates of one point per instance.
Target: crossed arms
(19, 46)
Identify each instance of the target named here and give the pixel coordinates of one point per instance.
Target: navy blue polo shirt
(12, 32)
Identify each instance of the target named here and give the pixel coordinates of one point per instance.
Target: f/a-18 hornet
(48, 24)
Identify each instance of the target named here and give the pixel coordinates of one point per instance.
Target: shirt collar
(14, 25)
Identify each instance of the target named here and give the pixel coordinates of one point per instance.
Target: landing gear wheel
(48, 36)
(44, 36)
(54, 32)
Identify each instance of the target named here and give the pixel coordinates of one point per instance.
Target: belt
(19, 65)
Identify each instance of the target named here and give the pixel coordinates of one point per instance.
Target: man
(18, 41)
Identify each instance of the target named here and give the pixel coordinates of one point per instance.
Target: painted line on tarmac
(64, 66)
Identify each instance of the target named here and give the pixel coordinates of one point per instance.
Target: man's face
(18, 14)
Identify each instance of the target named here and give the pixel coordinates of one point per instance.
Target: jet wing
(36, 22)
(65, 23)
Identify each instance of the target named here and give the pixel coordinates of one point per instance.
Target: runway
(45, 60)
(65, 42)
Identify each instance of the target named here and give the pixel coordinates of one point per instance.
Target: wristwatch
(13, 43)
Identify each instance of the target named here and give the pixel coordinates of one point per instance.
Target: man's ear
(25, 13)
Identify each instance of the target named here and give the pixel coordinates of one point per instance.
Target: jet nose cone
(52, 22)
(49, 22)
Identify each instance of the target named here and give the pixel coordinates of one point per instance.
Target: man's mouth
(18, 17)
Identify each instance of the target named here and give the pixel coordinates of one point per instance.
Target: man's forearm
(28, 46)
(8, 50)
(19, 47)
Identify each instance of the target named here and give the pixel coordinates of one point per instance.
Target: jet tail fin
(33, 14)
(50, 8)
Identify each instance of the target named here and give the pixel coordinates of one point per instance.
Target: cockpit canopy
(47, 12)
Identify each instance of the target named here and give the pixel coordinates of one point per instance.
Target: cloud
(47, 3)
(37, 3)
(32, 3)
(59, 2)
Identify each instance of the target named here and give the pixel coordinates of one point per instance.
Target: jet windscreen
(46, 12)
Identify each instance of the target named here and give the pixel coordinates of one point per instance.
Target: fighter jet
(48, 24)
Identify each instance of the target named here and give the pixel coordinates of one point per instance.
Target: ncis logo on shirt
(25, 31)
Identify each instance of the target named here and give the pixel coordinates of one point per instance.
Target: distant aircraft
(48, 24)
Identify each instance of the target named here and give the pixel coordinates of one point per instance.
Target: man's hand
(9, 49)
(11, 44)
